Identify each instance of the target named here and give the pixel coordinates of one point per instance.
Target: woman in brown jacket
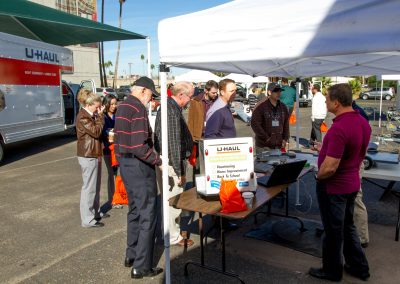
(89, 126)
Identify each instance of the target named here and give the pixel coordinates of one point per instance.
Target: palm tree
(142, 58)
(119, 44)
(152, 66)
(107, 65)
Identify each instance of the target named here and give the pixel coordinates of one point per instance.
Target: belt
(127, 155)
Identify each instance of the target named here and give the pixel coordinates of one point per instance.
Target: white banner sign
(229, 159)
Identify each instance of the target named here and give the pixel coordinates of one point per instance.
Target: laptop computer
(283, 174)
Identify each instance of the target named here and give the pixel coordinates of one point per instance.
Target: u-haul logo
(41, 55)
(228, 149)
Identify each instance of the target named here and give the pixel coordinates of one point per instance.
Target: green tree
(108, 65)
(152, 67)
(121, 2)
(326, 83)
(220, 74)
(142, 58)
(355, 87)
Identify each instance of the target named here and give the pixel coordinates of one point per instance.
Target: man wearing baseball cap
(270, 121)
(137, 160)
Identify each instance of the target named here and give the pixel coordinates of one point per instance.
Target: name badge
(275, 123)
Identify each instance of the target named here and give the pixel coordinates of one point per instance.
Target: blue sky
(142, 17)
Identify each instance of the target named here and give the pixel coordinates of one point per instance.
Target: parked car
(105, 91)
(387, 94)
(123, 92)
(241, 91)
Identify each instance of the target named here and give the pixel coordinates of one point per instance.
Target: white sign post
(228, 159)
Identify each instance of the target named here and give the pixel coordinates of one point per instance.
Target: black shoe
(321, 274)
(363, 276)
(138, 274)
(128, 262)
(104, 216)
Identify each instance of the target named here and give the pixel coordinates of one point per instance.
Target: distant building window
(2, 101)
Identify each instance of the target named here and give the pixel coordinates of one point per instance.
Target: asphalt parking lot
(42, 240)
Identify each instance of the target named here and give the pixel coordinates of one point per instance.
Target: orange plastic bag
(292, 119)
(230, 197)
(120, 196)
(192, 158)
(114, 161)
(324, 127)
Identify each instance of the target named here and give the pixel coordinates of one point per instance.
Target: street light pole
(148, 58)
(130, 74)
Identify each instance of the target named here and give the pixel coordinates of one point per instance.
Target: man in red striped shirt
(134, 150)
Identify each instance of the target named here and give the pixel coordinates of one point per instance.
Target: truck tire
(1, 151)
(388, 97)
(364, 97)
(367, 163)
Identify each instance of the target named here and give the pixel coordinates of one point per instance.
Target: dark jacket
(109, 123)
(88, 132)
(266, 134)
(180, 141)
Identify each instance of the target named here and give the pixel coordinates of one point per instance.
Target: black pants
(316, 130)
(141, 187)
(341, 237)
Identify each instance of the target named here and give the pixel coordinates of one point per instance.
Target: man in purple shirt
(338, 182)
(219, 119)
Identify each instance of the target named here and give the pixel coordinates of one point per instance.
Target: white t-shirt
(318, 109)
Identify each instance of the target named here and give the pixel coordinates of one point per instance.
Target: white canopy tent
(197, 76)
(247, 80)
(285, 39)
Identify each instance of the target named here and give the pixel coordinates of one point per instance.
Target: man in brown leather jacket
(89, 125)
(199, 106)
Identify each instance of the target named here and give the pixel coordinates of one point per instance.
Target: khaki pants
(174, 213)
(360, 215)
(361, 218)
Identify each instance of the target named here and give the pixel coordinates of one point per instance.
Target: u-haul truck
(33, 99)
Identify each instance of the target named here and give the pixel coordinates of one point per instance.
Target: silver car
(374, 93)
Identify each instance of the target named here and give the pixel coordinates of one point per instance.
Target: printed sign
(229, 159)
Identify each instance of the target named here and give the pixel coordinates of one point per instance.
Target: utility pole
(148, 58)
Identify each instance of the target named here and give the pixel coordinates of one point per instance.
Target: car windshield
(109, 90)
(99, 89)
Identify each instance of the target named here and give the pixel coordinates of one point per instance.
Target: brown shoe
(185, 243)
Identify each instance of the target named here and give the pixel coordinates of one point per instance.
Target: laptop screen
(283, 174)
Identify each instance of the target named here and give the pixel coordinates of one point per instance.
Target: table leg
(397, 194)
(388, 189)
(222, 244)
(302, 228)
(201, 264)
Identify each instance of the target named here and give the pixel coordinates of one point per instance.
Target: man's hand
(316, 146)
(182, 181)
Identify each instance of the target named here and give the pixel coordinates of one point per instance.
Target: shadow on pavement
(20, 150)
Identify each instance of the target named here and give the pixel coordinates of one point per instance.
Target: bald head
(182, 92)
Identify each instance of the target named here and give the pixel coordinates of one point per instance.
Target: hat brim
(157, 94)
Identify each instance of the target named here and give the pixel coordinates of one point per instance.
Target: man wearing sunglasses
(270, 121)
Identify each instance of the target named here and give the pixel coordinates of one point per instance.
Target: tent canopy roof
(34, 21)
(288, 39)
(197, 76)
